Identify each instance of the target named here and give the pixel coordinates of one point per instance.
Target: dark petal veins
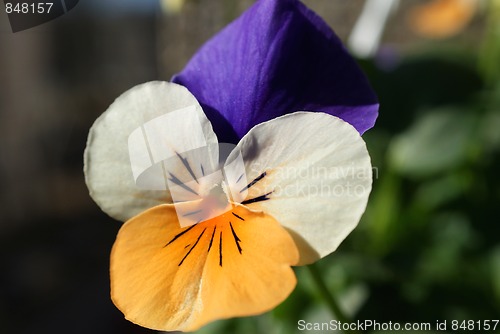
(187, 165)
(176, 180)
(192, 213)
(235, 236)
(257, 179)
(256, 199)
(237, 216)
(278, 57)
(220, 249)
(211, 239)
(190, 250)
(180, 235)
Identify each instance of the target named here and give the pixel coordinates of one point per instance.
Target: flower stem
(328, 297)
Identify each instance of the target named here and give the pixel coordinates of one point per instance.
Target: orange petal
(442, 18)
(169, 278)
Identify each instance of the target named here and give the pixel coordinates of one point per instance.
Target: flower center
(215, 203)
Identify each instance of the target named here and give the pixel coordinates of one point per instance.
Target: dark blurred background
(427, 247)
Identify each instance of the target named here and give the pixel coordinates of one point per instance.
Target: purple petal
(278, 57)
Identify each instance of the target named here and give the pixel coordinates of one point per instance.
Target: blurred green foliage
(428, 246)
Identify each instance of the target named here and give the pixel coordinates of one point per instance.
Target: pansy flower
(211, 232)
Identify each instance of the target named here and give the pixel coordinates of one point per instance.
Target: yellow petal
(442, 18)
(168, 278)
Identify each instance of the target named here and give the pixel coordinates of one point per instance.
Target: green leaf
(436, 192)
(495, 272)
(436, 142)
(490, 50)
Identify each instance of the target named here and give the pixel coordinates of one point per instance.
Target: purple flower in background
(211, 236)
(277, 58)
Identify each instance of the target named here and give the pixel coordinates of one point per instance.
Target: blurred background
(428, 246)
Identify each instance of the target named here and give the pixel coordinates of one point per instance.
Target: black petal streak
(175, 180)
(188, 167)
(179, 235)
(236, 239)
(211, 239)
(189, 252)
(220, 249)
(234, 214)
(257, 199)
(192, 213)
(257, 179)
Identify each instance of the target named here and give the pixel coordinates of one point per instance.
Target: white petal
(134, 146)
(318, 177)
